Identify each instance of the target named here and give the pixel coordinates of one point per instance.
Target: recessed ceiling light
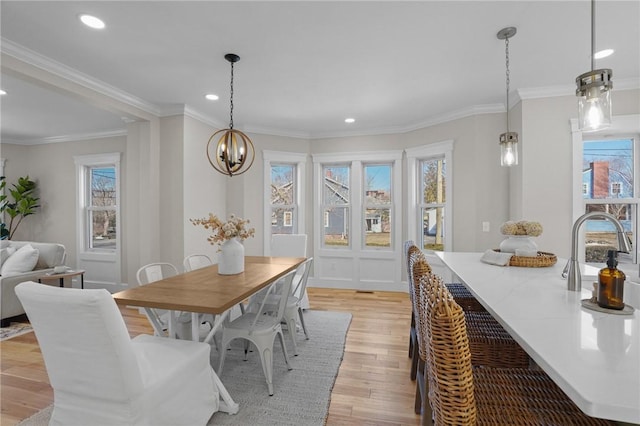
(92, 22)
(212, 97)
(2, 92)
(603, 53)
(349, 120)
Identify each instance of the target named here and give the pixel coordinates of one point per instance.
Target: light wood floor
(372, 387)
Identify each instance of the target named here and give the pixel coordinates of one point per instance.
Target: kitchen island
(593, 356)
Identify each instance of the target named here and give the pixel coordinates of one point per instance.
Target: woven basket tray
(542, 260)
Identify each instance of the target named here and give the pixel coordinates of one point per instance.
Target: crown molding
(68, 138)
(570, 89)
(45, 63)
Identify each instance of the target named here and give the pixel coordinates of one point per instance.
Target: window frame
(415, 156)
(619, 130)
(84, 165)
(299, 160)
(356, 160)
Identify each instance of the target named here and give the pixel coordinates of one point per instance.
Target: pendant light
(508, 140)
(233, 153)
(594, 90)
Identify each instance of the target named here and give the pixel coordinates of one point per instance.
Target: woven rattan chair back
(449, 358)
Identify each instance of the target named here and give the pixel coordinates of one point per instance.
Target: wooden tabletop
(206, 291)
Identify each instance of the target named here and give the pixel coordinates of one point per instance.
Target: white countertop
(594, 357)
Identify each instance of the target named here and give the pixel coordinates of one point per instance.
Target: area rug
(301, 396)
(14, 329)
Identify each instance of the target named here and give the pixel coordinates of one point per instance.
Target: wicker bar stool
(462, 394)
(413, 336)
(490, 345)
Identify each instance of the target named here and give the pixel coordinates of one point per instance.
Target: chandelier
(233, 152)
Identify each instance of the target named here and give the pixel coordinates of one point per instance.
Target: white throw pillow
(5, 253)
(23, 260)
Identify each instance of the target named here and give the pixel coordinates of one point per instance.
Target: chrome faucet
(572, 269)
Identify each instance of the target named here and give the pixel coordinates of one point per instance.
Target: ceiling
(305, 66)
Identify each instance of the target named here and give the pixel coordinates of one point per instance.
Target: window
(336, 204)
(98, 201)
(377, 205)
(609, 172)
(430, 216)
(284, 174)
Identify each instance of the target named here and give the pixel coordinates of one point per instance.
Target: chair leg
(284, 350)
(415, 355)
(304, 327)
(266, 356)
(223, 353)
(412, 332)
(292, 332)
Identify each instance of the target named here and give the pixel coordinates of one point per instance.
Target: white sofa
(50, 255)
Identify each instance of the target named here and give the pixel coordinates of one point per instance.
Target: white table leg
(195, 327)
(172, 324)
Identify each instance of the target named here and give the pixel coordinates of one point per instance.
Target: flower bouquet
(221, 232)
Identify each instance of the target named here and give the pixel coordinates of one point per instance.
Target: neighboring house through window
(609, 170)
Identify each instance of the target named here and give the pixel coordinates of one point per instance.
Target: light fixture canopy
(233, 153)
(594, 90)
(509, 139)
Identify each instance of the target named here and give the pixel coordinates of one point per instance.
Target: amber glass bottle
(611, 283)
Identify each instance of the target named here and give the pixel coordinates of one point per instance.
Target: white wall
(204, 189)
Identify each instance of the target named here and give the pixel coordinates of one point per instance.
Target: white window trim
(82, 162)
(578, 204)
(356, 160)
(414, 156)
(300, 161)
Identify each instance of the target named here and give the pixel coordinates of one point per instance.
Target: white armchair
(100, 376)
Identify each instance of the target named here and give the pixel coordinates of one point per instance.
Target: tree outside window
(433, 201)
(283, 200)
(336, 200)
(101, 207)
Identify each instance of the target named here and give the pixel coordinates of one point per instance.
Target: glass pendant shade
(509, 149)
(594, 99)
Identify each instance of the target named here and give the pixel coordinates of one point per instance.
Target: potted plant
(19, 204)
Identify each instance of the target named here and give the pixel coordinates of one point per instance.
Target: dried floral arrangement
(522, 227)
(234, 227)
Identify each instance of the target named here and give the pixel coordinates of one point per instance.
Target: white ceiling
(305, 66)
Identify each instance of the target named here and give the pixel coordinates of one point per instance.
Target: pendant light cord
(231, 101)
(593, 35)
(506, 43)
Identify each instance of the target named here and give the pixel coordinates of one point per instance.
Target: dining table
(593, 356)
(205, 291)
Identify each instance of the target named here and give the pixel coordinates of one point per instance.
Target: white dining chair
(159, 318)
(100, 376)
(291, 245)
(260, 328)
(293, 311)
(196, 261)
